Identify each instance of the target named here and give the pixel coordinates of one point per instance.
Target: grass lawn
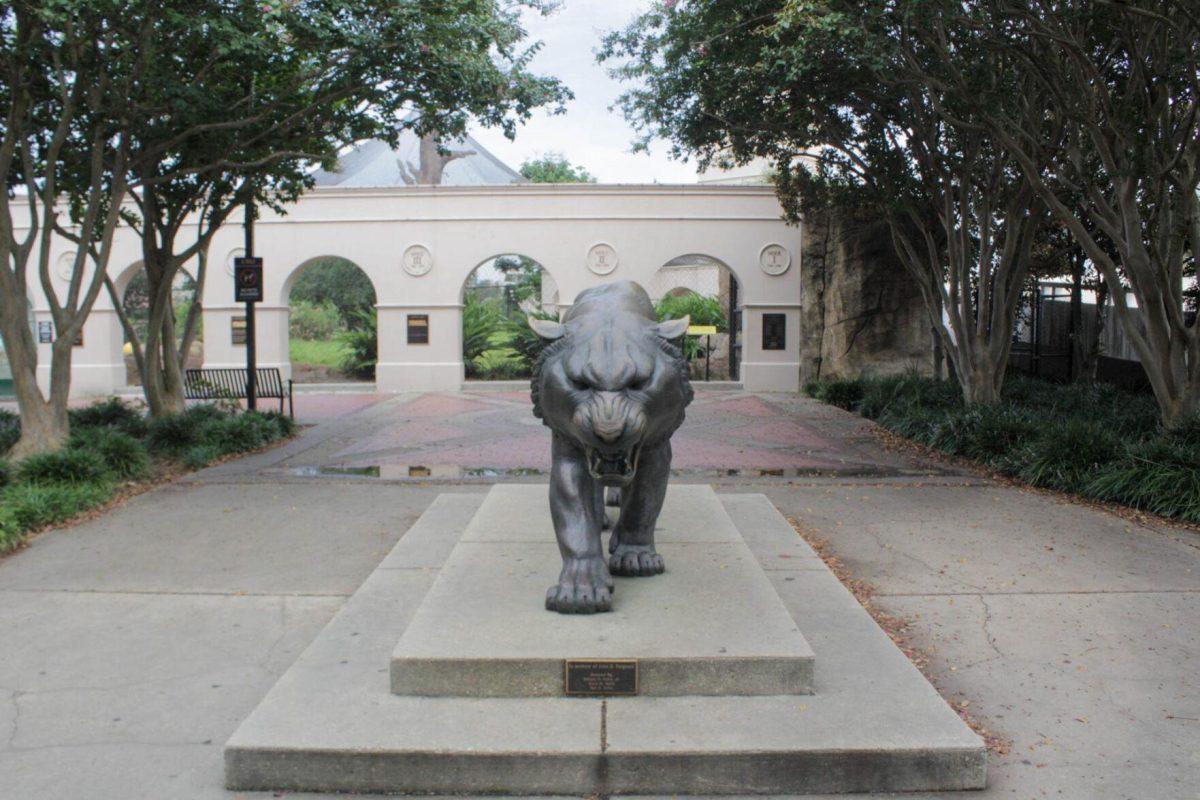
(325, 354)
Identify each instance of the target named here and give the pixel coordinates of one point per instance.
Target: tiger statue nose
(609, 415)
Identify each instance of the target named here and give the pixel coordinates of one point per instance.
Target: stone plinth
(873, 724)
(711, 625)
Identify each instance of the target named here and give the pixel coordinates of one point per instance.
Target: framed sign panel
(418, 329)
(237, 330)
(774, 331)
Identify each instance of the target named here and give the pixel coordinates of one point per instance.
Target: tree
(555, 168)
(242, 100)
(844, 98)
(1124, 81)
(58, 129)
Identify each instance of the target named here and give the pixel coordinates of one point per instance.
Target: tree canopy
(555, 168)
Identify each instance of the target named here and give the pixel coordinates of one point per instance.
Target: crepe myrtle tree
(1124, 81)
(834, 94)
(241, 99)
(59, 130)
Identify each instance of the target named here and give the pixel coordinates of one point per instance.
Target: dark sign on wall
(774, 336)
(45, 332)
(237, 330)
(418, 329)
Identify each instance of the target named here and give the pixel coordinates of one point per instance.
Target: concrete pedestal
(711, 625)
(873, 723)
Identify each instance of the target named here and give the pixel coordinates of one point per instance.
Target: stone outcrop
(861, 314)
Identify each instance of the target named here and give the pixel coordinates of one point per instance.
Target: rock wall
(860, 313)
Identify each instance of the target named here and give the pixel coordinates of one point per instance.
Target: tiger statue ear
(548, 329)
(672, 329)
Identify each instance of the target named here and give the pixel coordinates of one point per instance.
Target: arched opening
(706, 289)
(6, 376)
(134, 289)
(332, 322)
(497, 297)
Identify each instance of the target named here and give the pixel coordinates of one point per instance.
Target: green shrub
(10, 429)
(1187, 433)
(522, 339)
(985, 434)
(880, 393)
(314, 321)
(123, 455)
(237, 434)
(361, 345)
(33, 505)
(481, 318)
(68, 465)
(813, 388)
(11, 534)
(703, 310)
(500, 364)
(1066, 456)
(5, 474)
(201, 456)
(841, 393)
(110, 413)
(174, 433)
(283, 423)
(1160, 476)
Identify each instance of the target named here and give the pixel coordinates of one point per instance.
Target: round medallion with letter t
(602, 258)
(774, 259)
(417, 260)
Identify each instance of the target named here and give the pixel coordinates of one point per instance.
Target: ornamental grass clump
(1067, 456)
(986, 434)
(111, 413)
(34, 505)
(1161, 476)
(71, 465)
(125, 457)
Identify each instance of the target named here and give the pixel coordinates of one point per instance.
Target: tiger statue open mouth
(612, 388)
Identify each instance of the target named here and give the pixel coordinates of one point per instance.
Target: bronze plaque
(774, 333)
(418, 329)
(614, 676)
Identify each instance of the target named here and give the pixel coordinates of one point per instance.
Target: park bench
(228, 384)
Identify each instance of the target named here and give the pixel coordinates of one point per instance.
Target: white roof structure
(373, 164)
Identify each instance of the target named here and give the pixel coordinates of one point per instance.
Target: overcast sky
(588, 134)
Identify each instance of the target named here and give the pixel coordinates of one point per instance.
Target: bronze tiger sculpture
(612, 388)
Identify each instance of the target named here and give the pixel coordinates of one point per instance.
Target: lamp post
(247, 278)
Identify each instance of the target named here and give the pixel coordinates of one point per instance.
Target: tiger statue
(612, 387)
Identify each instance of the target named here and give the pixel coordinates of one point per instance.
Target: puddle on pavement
(458, 472)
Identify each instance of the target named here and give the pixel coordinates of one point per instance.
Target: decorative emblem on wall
(774, 259)
(602, 258)
(417, 260)
(233, 254)
(65, 267)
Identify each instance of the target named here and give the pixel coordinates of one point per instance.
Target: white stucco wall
(462, 227)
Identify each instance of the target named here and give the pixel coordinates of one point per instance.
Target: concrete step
(873, 724)
(711, 625)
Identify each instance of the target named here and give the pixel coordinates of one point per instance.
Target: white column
(770, 370)
(406, 366)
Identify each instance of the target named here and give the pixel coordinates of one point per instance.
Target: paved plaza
(134, 644)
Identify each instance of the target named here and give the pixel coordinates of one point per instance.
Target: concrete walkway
(132, 646)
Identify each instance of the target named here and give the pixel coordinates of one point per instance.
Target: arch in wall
(329, 320)
(497, 294)
(136, 309)
(706, 276)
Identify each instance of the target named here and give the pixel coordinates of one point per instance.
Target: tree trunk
(1077, 354)
(44, 425)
